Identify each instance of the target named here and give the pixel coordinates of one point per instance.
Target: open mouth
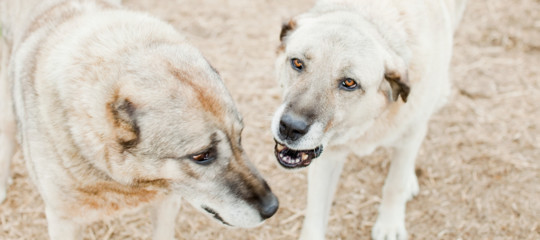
(289, 158)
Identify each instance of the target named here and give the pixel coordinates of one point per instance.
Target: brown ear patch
(126, 130)
(286, 28)
(399, 85)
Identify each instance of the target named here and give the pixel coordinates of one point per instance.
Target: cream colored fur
(111, 108)
(365, 41)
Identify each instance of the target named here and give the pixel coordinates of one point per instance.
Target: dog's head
(338, 77)
(170, 118)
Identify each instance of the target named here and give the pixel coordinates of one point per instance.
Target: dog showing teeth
(290, 158)
(357, 75)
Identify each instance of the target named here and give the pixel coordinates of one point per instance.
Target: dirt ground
(479, 165)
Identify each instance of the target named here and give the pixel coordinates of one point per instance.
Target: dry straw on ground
(479, 165)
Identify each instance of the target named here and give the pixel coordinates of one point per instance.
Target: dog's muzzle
(289, 158)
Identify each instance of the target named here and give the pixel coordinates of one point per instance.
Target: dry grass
(480, 162)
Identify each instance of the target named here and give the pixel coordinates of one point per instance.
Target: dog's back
(27, 29)
(20, 18)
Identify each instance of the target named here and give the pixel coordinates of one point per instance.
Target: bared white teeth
(295, 158)
(289, 159)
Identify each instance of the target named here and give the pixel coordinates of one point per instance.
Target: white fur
(7, 125)
(363, 40)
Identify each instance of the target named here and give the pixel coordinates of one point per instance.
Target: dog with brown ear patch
(358, 75)
(399, 87)
(115, 111)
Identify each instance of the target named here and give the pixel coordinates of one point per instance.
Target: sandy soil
(479, 165)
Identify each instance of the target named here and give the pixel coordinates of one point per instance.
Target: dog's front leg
(7, 150)
(323, 177)
(401, 185)
(61, 228)
(164, 218)
(7, 126)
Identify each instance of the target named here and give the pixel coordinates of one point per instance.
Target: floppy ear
(399, 84)
(286, 28)
(125, 126)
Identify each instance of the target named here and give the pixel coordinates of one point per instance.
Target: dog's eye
(297, 64)
(204, 158)
(349, 84)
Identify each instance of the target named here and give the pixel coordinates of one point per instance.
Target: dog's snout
(253, 190)
(269, 205)
(292, 127)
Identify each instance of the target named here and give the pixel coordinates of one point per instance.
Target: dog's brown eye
(349, 84)
(297, 64)
(200, 157)
(204, 158)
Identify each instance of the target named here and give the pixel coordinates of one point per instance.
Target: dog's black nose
(269, 205)
(292, 127)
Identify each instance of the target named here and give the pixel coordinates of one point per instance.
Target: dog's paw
(389, 228)
(413, 188)
(2, 195)
(303, 237)
(3, 190)
(311, 234)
